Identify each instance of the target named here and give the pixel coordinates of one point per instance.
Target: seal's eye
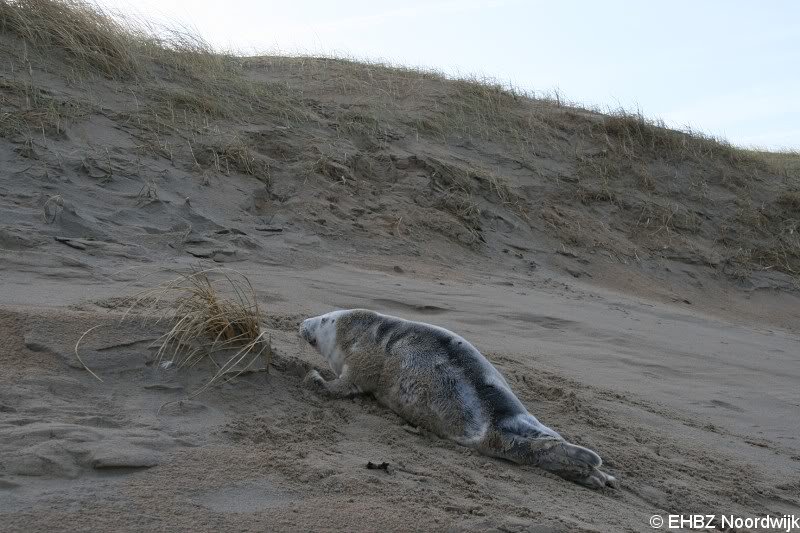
(324, 320)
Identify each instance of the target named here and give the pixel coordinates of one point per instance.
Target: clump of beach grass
(218, 320)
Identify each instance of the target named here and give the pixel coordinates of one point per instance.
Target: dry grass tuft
(784, 163)
(672, 217)
(461, 204)
(27, 110)
(52, 207)
(162, 60)
(790, 200)
(206, 319)
(234, 155)
(86, 32)
(96, 39)
(633, 135)
(486, 110)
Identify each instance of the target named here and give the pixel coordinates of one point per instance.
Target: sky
(726, 68)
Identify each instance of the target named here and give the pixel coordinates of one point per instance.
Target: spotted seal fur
(437, 380)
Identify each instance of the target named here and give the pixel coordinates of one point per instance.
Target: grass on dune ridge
(97, 40)
(667, 188)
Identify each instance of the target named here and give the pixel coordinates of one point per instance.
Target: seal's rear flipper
(582, 455)
(574, 463)
(558, 456)
(597, 480)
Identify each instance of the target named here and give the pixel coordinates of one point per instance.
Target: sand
(683, 378)
(693, 413)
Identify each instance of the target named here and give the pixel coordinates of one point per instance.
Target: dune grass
(96, 39)
(205, 318)
(173, 68)
(88, 34)
(182, 74)
(216, 320)
(212, 112)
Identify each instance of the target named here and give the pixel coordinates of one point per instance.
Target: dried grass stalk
(206, 319)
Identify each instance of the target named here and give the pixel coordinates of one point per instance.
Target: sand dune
(689, 410)
(636, 286)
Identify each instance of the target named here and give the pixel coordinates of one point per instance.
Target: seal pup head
(332, 334)
(320, 332)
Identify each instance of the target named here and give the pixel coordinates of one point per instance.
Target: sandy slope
(692, 412)
(598, 276)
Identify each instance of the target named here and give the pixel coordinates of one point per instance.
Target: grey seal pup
(437, 380)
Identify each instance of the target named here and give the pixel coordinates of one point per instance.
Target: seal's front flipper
(341, 387)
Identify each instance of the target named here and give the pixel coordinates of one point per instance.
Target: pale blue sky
(728, 68)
